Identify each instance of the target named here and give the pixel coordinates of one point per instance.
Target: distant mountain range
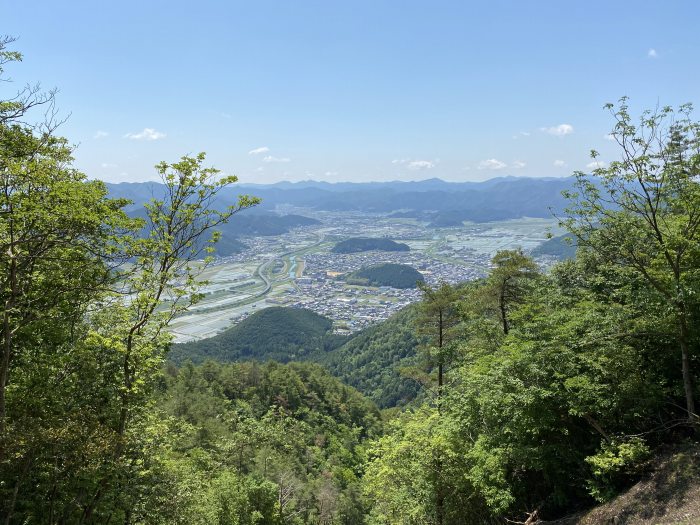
(436, 201)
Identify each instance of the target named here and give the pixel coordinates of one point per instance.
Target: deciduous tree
(642, 212)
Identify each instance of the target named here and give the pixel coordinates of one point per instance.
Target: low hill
(263, 223)
(388, 274)
(365, 244)
(277, 333)
(228, 246)
(368, 360)
(244, 224)
(561, 247)
(255, 224)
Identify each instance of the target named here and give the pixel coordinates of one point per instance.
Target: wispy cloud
(258, 151)
(100, 134)
(270, 158)
(108, 165)
(609, 137)
(560, 130)
(521, 134)
(491, 164)
(518, 164)
(417, 164)
(652, 53)
(559, 164)
(331, 173)
(596, 164)
(146, 134)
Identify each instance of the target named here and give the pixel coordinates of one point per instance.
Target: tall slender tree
(642, 212)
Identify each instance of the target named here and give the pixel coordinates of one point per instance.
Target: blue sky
(352, 91)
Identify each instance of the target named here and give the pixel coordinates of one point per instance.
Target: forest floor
(668, 495)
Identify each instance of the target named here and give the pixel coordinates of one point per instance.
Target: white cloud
(609, 137)
(559, 164)
(146, 134)
(596, 164)
(419, 165)
(521, 134)
(100, 134)
(108, 165)
(519, 164)
(258, 151)
(331, 173)
(491, 164)
(652, 53)
(560, 130)
(270, 158)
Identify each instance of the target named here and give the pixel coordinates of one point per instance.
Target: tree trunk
(7, 348)
(439, 497)
(685, 365)
(502, 307)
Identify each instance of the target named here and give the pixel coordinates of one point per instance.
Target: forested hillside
(370, 360)
(278, 333)
(249, 443)
(251, 225)
(373, 359)
(561, 247)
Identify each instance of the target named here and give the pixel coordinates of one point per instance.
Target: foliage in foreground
(562, 385)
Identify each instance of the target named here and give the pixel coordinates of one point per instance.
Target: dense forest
(386, 274)
(365, 244)
(532, 394)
